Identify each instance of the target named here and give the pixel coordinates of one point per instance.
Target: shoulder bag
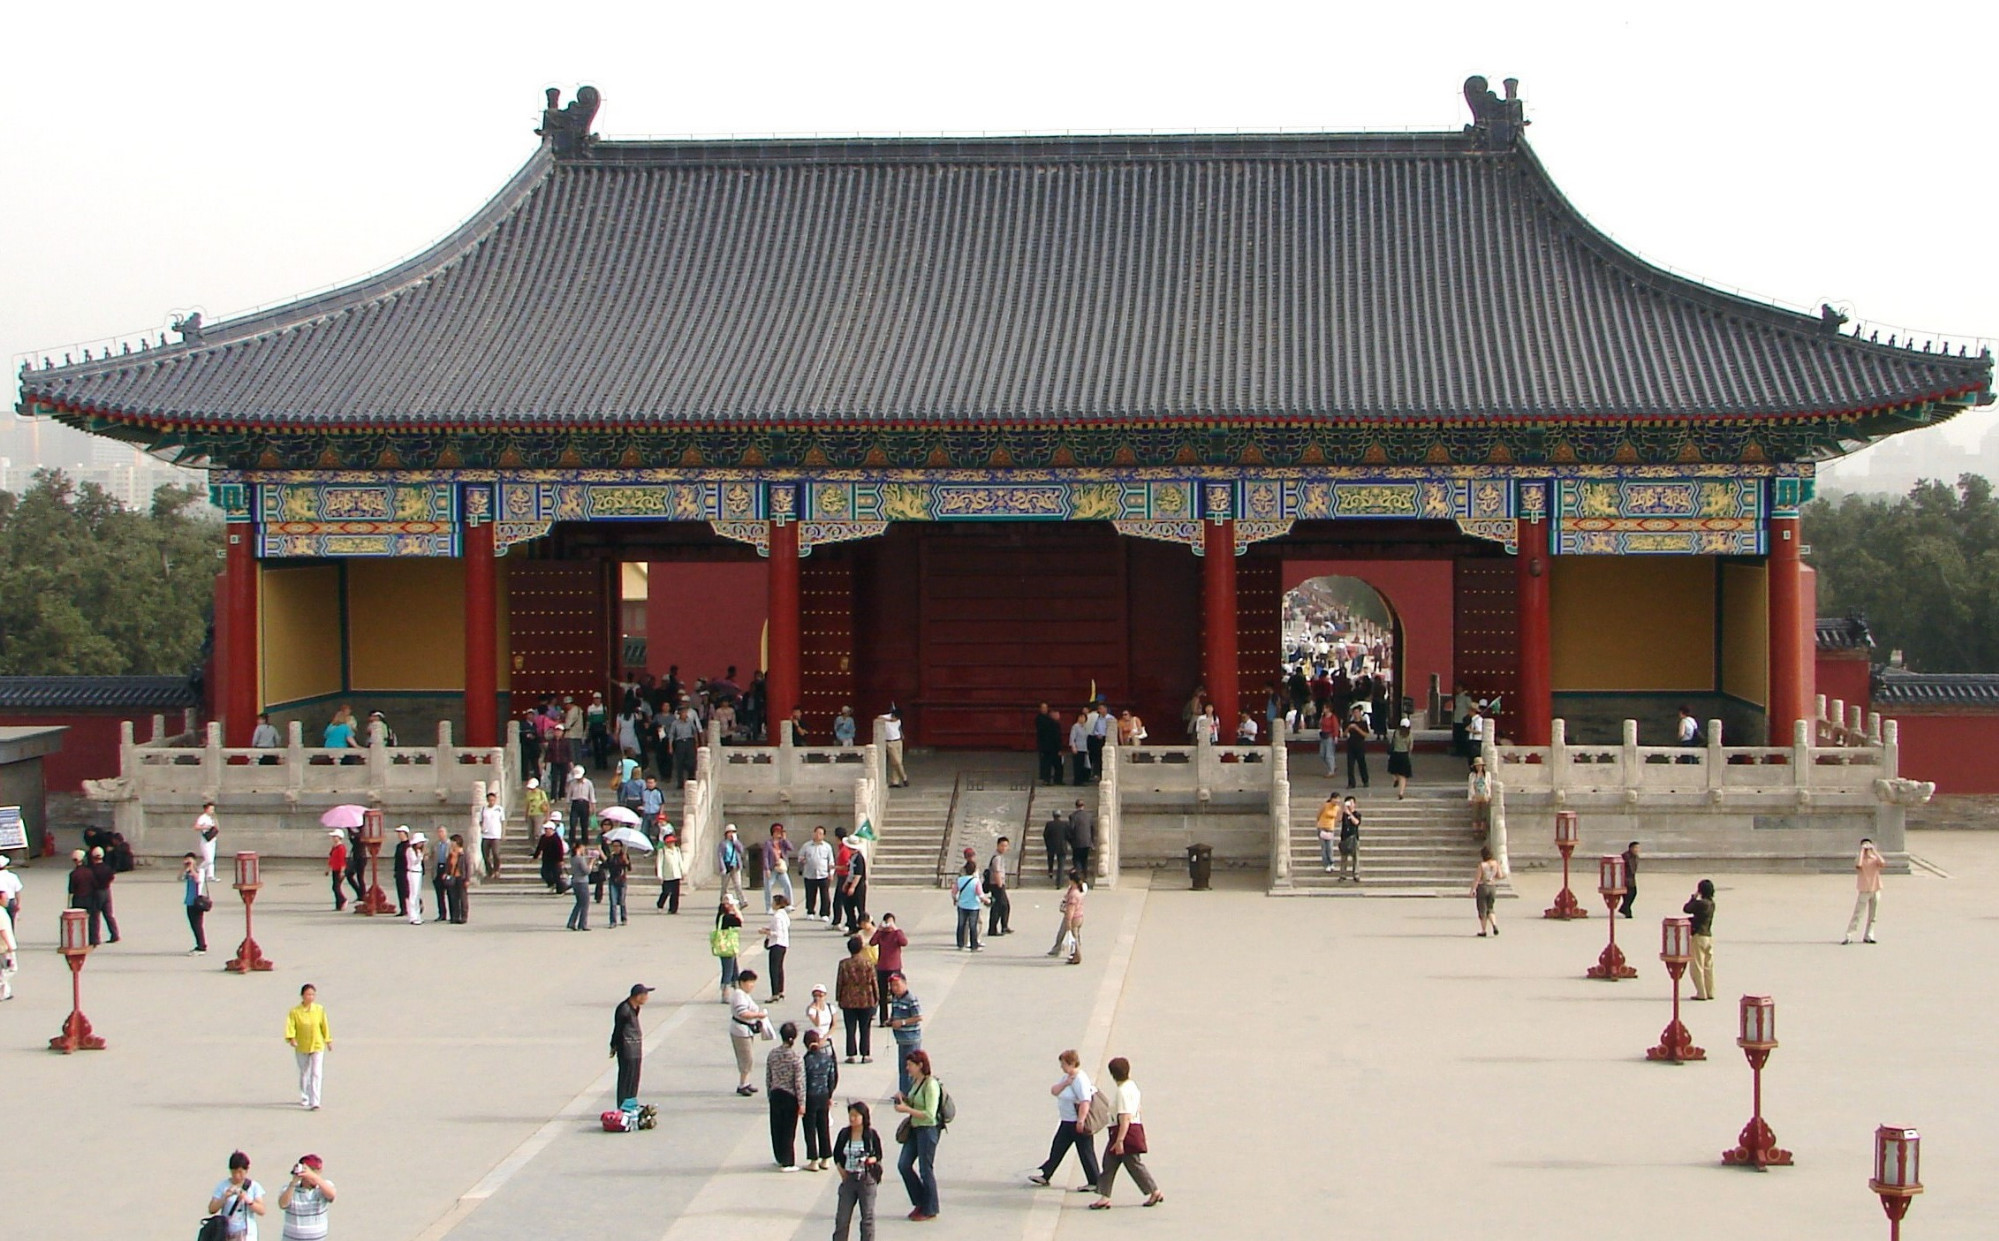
(1098, 1116)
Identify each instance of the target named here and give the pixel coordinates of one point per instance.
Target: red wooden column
(482, 660)
(783, 678)
(1537, 710)
(240, 637)
(1218, 636)
(1787, 624)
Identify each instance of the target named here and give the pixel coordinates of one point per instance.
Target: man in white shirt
(205, 833)
(1079, 749)
(582, 796)
(1475, 730)
(891, 725)
(1245, 730)
(492, 826)
(10, 888)
(815, 866)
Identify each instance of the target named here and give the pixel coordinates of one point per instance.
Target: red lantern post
(1757, 1146)
(1568, 833)
(374, 901)
(75, 947)
(248, 956)
(1898, 1173)
(1676, 947)
(1610, 966)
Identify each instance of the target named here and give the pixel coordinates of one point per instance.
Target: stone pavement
(1354, 1067)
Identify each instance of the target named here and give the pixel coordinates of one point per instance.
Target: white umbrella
(630, 837)
(618, 814)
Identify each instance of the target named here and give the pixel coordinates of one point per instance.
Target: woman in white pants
(413, 870)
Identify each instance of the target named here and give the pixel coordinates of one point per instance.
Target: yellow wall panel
(1632, 623)
(1745, 633)
(406, 624)
(301, 632)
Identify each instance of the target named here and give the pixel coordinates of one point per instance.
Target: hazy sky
(225, 156)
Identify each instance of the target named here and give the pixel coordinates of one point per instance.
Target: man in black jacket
(628, 1041)
(1083, 839)
(1630, 878)
(1048, 745)
(1055, 839)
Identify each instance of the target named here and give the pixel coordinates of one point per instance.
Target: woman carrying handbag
(1127, 1147)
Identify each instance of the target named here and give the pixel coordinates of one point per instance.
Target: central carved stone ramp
(1421, 846)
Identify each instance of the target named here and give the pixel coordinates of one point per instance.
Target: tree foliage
(1923, 568)
(93, 588)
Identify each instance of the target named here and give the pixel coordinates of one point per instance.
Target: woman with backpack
(1073, 1095)
(859, 1154)
(726, 941)
(922, 1124)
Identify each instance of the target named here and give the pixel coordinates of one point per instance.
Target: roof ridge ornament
(1496, 123)
(189, 327)
(567, 129)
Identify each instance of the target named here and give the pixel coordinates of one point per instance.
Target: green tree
(94, 588)
(1923, 568)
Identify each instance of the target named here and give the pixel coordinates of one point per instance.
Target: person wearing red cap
(306, 1200)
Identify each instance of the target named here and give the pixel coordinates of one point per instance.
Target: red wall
(706, 615)
(1420, 593)
(1953, 750)
(90, 747)
(1844, 675)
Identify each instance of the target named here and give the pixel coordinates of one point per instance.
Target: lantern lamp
(74, 944)
(75, 932)
(1568, 828)
(374, 900)
(1610, 964)
(1898, 1173)
(1759, 1022)
(1676, 946)
(1757, 1146)
(1568, 833)
(249, 957)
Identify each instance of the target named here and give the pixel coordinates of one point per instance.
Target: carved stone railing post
(1558, 756)
(1206, 767)
(378, 756)
(1109, 821)
(1891, 750)
(1716, 760)
(1280, 806)
(1801, 755)
(159, 736)
(1631, 766)
(1495, 827)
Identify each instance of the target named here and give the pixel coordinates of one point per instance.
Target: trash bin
(753, 866)
(1200, 865)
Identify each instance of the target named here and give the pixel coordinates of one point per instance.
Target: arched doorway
(1341, 647)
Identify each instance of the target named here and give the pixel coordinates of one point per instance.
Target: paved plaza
(1352, 1067)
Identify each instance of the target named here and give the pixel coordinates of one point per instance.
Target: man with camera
(306, 1199)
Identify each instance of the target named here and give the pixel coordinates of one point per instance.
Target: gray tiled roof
(1016, 280)
(1896, 687)
(150, 693)
(1844, 633)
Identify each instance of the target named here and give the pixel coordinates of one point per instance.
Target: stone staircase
(1421, 846)
(911, 834)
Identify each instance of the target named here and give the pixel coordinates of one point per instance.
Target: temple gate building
(963, 425)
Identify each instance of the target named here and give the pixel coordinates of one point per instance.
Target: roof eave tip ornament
(189, 327)
(1496, 122)
(566, 129)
